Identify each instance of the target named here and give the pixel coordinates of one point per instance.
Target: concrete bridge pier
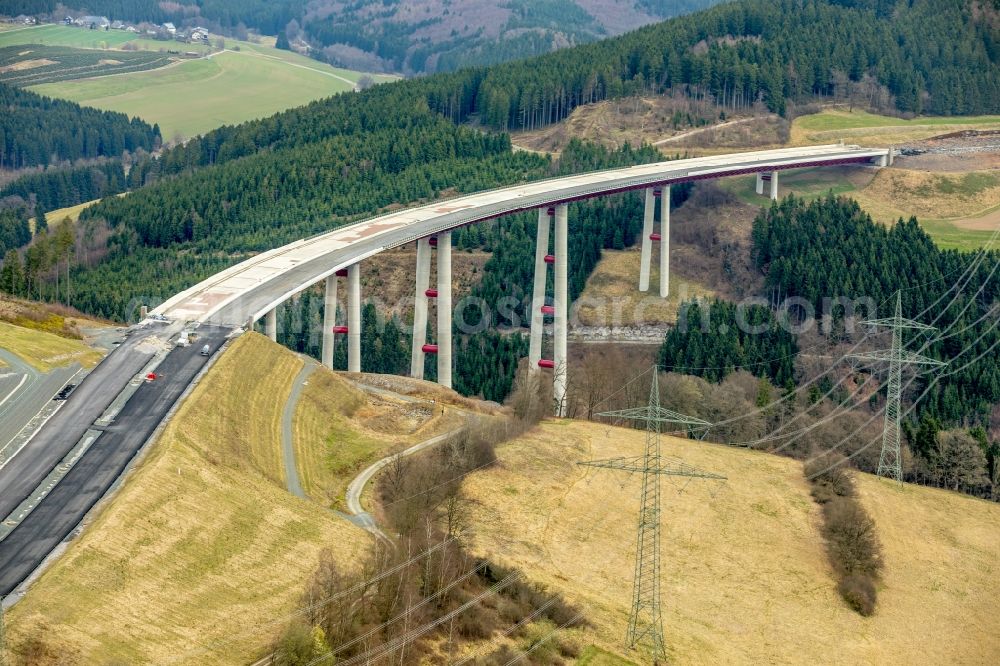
(444, 308)
(647, 238)
(665, 242)
(545, 216)
(271, 324)
(420, 296)
(329, 319)
(561, 304)
(354, 318)
(768, 179)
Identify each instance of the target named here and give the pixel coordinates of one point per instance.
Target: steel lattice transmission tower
(645, 625)
(889, 462)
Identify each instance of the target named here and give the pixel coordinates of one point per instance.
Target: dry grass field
(958, 210)
(895, 193)
(391, 275)
(44, 350)
(613, 288)
(339, 430)
(638, 120)
(867, 129)
(72, 212)
(203, 554)
(745, 575)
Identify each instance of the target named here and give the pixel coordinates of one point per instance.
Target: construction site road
(89, 479)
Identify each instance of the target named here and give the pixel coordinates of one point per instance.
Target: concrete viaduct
(254, 288)
(74, 459)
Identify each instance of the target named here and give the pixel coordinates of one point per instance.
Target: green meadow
(196, 96)
(190, 97)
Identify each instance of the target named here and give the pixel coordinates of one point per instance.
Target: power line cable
(543, 639)
(320, 603)
(412, 635)
(507, 632)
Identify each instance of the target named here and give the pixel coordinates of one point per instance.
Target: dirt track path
(287, 437)
(700, 130)
(987, 222)
(357, 485)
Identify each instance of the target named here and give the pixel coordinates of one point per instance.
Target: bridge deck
(253, 287)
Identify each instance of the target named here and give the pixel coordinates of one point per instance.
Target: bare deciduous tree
(958, 461)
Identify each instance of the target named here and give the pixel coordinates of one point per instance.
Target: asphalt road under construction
(44, 514)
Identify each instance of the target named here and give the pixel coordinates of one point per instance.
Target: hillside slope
(432, 36)
(319, 161)
(745, 575)
(35, 130)
(339, 428)
(202, 554)
(770, 51)
(416, 36)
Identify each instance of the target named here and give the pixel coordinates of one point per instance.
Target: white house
(93, 22)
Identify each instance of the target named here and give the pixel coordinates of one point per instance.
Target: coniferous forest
(14, 230)
(830, 248)
(849, 255)
(930, 56)
(38, 131)
(213, 201)
(56, 188)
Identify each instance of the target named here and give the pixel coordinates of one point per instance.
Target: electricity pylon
(645, 623)
(889, 462)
